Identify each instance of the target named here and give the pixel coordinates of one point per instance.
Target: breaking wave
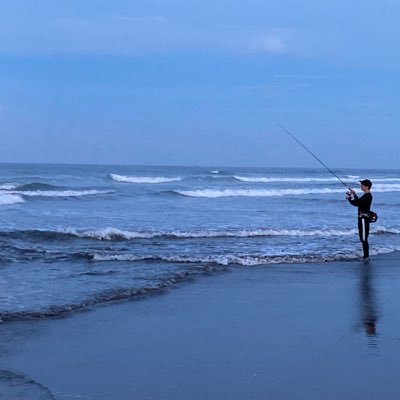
(385, 180)
(143, 179)
(45, 190)
(110, 234)
(8, 186)
(243, 260)
(35, 186)
(212, 193)
(276, 179)
(8, 199)
(386, 187)
(215, 193)
(113, 233)
(64, 193)
(352, 178)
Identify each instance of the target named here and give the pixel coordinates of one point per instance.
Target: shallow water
(72, 236)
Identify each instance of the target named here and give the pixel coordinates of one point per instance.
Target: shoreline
(180, 278)
(294, 331)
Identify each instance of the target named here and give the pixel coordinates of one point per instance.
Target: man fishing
(365, 215)
(364, 207)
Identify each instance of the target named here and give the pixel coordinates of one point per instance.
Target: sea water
(72, 236)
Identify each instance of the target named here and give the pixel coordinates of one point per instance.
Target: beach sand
(309, 331)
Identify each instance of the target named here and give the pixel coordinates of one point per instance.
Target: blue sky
(190, 82)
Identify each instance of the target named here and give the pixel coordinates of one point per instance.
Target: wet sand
(314, 331)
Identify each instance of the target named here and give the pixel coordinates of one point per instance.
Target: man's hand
(350, 193)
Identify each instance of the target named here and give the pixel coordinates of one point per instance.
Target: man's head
(366, 183)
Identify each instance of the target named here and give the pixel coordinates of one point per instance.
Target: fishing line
(309, 151)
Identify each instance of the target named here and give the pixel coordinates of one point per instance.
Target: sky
(200, 82)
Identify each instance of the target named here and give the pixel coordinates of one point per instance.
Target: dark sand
(315, 331)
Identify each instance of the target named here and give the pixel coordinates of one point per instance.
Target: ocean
(72, 236)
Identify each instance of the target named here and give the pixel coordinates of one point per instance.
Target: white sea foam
(8, 186)
(386, 187)
(212, 193)
(221, 260)
(245, 260)
(281, 179)
(225, 260)
(62, 193)
(109, 234)
(382, 229)
(8, 199)
(216, 193)
(120, 257)
(115, 233)
(143, 179)
(394, 179)
(307, 179)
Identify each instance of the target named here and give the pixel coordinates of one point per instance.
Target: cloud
(130, 35)
(270, 43)
(309, 31)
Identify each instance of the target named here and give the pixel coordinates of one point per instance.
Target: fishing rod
(309, 151)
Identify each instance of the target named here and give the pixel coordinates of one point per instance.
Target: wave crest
(111, 234)
(35, 186)
(217, 193)
(226, 260)
(143, 179)
(8, 186)
(118, 234)
(212, 193)
(386, 187)
(46, 190)
(9, 199)
(277, 179)
(64, 193)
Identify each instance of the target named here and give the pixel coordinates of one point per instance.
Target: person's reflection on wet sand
(369, 314)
